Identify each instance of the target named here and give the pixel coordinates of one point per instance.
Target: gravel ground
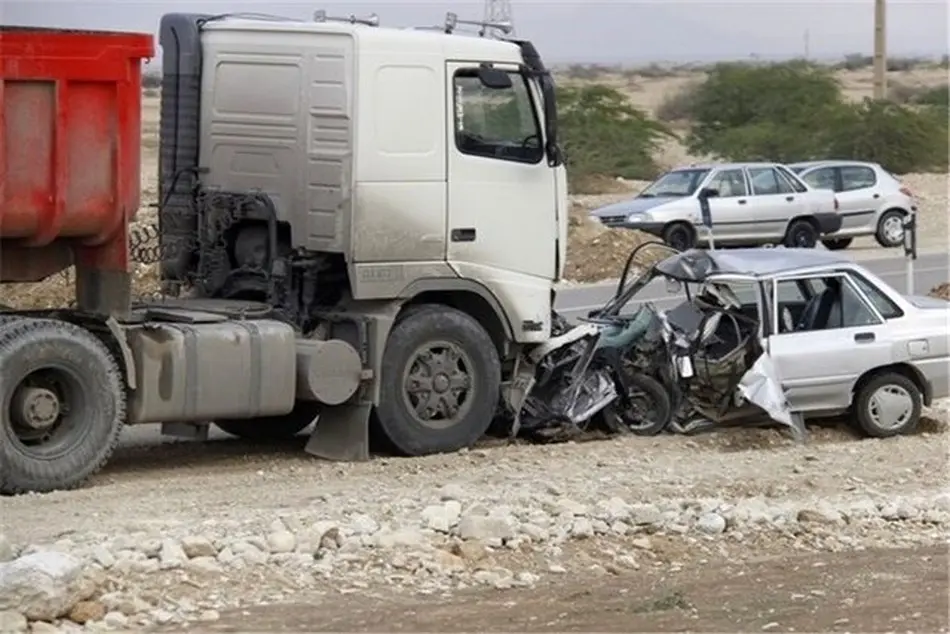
(150, 537)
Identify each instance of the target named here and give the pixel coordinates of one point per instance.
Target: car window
(823, 178)
(857, 177)
(883, 304)
(678, 183)
(497, 123)
(730, 183)
(833, 303)
(791, 179)
(766, 180)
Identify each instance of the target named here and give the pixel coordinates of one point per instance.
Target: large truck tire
(439, 382)
(63, 405)
(272, 427)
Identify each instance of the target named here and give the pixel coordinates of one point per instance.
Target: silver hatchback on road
(873, 202)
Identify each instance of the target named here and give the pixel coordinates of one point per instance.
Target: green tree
(603, 134)
(900, 138)
(747, 112)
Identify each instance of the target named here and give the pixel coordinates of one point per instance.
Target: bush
(602, 133)
(748, 112)
(856, 61)
(933, 96)
(679, 106)
(898, 137)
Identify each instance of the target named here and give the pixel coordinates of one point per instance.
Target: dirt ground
(872, 591)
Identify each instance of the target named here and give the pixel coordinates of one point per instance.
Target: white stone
(481, 527)
(7, 552)
(171, 555)
(12, 622)
(41, 586)
(711, 524)
(198, 546)
(281, 542)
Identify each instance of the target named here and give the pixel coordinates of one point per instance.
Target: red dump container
(70, 136)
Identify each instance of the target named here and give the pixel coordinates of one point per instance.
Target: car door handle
(864, 337)
(877, 195)
(789, 198)
(742, 201)
(463, 235)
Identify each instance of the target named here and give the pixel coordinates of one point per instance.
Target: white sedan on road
(749, 204)
(873, 201)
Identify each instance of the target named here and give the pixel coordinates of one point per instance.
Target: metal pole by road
(880, 49)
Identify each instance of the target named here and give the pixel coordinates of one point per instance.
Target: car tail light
(906, 192)
(837, 204)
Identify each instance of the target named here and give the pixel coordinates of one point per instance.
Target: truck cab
(404, 160)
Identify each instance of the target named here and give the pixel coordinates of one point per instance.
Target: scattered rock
(86, 611)
(711, 524)
(12, 622)
(198, 546)
(7, 552)
(42, 586)
(483, 527)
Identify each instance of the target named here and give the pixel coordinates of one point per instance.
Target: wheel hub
(36, 407)
(440, 383)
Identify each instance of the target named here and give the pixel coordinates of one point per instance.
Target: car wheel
(887, 405)
(440, 382)
(648, 409)
(801, 234)
(837, 244)
(890, 229)
(680, 236)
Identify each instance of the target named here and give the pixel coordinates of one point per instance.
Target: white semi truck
(358, 225)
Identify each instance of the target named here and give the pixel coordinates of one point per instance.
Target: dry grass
(941, 290)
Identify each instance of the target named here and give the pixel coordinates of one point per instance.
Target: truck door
(502, 198)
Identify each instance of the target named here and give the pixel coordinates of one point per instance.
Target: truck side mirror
(494, 78)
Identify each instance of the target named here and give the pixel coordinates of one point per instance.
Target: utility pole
(880, 49)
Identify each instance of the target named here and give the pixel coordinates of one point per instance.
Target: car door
(730, 210)
(858, 196)
(774, 202)
(502, 195)
(819, 362)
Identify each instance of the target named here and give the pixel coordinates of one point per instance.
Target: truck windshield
(677, 183)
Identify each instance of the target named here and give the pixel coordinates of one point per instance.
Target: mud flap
(341, 434)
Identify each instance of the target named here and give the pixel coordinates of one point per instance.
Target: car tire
(801, 234)
(884, 228)
(868, 410)
(680, 236)
(650, 412)
(78, 388)
(442, 341)
(837, 244)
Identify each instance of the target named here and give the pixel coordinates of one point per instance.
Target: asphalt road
(929, 270)
(576, 301)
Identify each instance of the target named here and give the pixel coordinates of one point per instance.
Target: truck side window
(498, 123)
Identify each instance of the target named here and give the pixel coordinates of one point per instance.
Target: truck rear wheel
(62, 405)
(272, 427)
(439, 384)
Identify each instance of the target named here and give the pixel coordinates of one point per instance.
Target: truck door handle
(463, 235)
(789, 198)
(864, 337)
(742, 201)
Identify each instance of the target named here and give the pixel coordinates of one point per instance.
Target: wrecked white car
(780, 334)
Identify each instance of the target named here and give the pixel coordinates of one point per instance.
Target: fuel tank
(70, 137)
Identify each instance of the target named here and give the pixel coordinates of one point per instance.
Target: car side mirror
(493, 78)
(709, 192)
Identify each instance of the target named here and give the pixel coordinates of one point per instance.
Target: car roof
(697, 265)
(738, 165)
(833, 163)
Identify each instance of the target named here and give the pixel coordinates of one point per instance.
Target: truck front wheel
(62, 405)
(439, 384)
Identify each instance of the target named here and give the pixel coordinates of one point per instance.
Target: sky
(604, 31)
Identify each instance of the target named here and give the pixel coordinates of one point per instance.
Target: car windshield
(677, 183)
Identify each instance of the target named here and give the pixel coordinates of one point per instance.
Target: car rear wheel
(801, 234)
(837, 244)
(680, 236)
(888, 405)
(890, 229)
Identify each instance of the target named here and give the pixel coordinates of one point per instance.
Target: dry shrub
(941, 290)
